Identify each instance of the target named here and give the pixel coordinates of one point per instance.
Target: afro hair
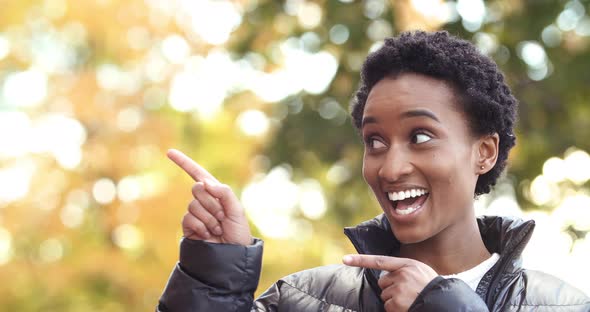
(479, 85)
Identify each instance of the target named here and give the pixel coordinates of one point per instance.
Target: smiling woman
(437, 122)
(417, 140)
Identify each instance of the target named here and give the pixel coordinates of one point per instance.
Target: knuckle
(193, 207)
(200, 227)
(396, 288)
(382, 282)
(390, 306)
(225, 189)
(211, 204)
(184, 220)
(210, 221)
(197, 188)
(379, 262)
(404, 274)
(188, 217)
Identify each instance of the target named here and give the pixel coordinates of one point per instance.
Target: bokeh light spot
(25, 89)
(554, 169)
(486, 43)
(175, 49)
(339, 34)
(253, 122)
(379, 29)
(338, 173)
(212, 20)
(374, 8)
(312, 199)
(532, 53)
(270, 201)
(104, 191)
(551, 36)
(577, 164)
(583, 28)
(128, 236)
(15, 180)
(72, 215)
(309, 14)
(129, 189)
(472, 13)
(543, 191)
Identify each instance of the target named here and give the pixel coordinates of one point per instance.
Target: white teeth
(401, 195)
(392, 196)
(406, 211)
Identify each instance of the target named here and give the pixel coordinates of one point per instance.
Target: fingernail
(217, 230)
(220, 216)
(347, 259)
(209, 182)
(207, 234)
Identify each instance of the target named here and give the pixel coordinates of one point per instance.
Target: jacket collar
(505, 235)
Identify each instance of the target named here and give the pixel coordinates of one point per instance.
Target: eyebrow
(368, 120)
(408, 114)
(421, 113)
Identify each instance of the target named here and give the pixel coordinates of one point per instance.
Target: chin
(409, 237)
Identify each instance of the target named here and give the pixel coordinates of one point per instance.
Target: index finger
(383, 263)
(193, 169)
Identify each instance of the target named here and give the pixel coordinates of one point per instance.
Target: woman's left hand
(401, 281)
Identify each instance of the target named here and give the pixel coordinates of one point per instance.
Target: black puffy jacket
(220, 277)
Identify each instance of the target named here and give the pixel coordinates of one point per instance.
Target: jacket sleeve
(448, 295)
(214, 277)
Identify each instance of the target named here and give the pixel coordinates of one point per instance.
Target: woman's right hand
(215, 214)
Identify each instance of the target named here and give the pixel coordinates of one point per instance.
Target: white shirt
(474, 275)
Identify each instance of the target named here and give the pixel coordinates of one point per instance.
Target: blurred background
(93, 93)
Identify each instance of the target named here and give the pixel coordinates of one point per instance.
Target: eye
(377, 144)
(373, 143)
(419, 138)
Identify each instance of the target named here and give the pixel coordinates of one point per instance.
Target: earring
(481, 167)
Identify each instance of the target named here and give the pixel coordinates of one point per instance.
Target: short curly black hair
(478, 83)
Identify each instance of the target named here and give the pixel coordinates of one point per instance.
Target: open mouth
(408, 201)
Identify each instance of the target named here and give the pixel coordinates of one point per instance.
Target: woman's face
(420, 157)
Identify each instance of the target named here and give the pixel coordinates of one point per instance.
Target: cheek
(370, 171)
(449, 173)
(366, 170)
(443, 170)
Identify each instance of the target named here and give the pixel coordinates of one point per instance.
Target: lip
(411, 217)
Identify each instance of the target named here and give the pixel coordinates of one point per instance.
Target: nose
(396, 165)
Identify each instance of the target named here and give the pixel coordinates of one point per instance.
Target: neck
(453, 250)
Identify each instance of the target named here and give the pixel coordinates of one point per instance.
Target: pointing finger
(383, 263)
(193, 169)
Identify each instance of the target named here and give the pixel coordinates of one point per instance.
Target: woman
(437, 122)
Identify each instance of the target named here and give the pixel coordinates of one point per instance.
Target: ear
(487, 153)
